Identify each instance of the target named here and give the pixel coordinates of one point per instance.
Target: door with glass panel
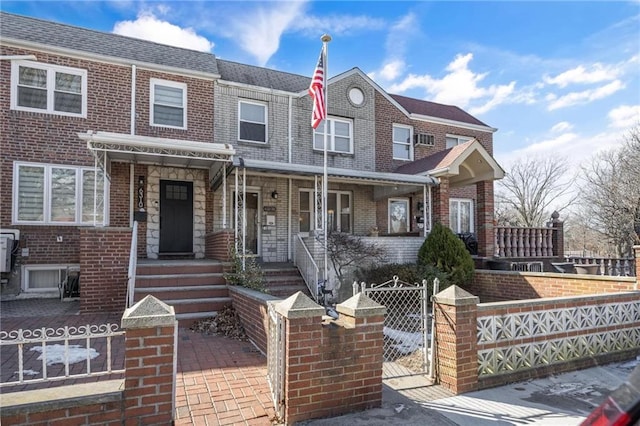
(339, 211)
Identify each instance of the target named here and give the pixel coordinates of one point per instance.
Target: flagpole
(326, 38)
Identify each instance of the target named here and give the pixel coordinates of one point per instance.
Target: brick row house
(101, 131)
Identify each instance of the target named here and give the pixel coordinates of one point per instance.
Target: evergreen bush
(443, 250)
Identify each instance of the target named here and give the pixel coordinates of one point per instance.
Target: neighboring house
(99, 130)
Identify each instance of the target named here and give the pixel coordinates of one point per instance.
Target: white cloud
(596, 73)
(394, 64)
(563, 126)
(586, 96)
(148, 27)
(335, 24)
(459, 87)
(624, 116)
(389, 71)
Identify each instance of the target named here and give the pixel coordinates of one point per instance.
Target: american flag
(316, 91)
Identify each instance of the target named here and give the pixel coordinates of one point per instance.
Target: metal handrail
(307, 267)
(133, 264)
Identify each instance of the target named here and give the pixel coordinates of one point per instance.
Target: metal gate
(275, 359)
(406, 325)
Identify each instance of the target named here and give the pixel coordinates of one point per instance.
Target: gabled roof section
(96, 43)
(432, 109)
(462, 164)
(262, 77)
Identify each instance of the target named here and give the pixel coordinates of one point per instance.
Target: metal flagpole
(326, 38)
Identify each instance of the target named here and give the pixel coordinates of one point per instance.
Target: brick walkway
(220, 381)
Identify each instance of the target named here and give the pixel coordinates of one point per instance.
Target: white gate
(275, 359)
(406, 325)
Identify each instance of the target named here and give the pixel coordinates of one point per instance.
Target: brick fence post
(456, 357)
(150, 362)
(331, 367)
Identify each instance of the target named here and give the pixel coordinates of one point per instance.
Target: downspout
(132, 131)
(289, 204)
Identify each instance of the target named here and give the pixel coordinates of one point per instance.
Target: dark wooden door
(176, 216)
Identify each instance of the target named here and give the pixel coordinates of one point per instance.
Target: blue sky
(553, 77)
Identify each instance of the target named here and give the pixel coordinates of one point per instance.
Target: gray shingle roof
(263, 77)
(106, 44)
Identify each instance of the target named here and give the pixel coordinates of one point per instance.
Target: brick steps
(195, 288)
(284, 281)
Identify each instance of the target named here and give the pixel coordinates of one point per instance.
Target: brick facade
(252, 309)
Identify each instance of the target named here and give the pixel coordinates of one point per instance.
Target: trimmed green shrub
(443, 250)
(251, 277)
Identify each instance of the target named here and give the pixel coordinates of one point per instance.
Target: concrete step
(188, 319)
(285, 291)
(183, 292)
(180, 280)
(209, 304)
(160, 267)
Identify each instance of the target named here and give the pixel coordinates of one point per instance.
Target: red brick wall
(218, 245)
(491, 286)
(332, 370)
(387, 114)
(104, 263)
(251, 306)
(99, 414)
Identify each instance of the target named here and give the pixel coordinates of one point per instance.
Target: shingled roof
(105, 44)
(432, 109)
(263, 77)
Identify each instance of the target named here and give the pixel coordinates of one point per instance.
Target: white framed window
(168, 104)
(50, 89)
(339, 211)
(45, 194)
(339, 135)
(402, 142)
(43, 278)
(252, 122)
(461, 215)
(453, 140)
(399, 220)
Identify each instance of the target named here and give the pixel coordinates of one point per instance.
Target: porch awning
(464, 164)
(337, 174)
(154, 150)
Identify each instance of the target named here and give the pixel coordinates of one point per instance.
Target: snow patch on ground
(28, 372)
(56, 354)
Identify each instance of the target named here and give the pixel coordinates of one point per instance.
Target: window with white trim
(52, 194)
(339, 135)
(399, 221)
(168, 104)
(461, 215)
(51, 89)
(38, 278)
(252, 122)
(453, 140)
(402, 142)
(339, 211)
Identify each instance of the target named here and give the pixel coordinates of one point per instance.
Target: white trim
(408, 213)
(472, 221)
(332, 136)
(259, 213)
(26, 269)
(51, 71)
(47, 196)
(409, 143)
(72, 53)
(153, 82)
(266, 119)
(312, 212)
(461, 139)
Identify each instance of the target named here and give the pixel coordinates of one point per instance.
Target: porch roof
(345, 175)
(463, 164)
(153, 150)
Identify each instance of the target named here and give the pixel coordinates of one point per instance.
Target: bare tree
(611, 193)
(531, 188)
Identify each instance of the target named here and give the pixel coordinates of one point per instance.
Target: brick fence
(145, 397)
(251, 306)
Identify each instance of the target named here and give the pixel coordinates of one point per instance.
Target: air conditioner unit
(8, 239)
(424, 139)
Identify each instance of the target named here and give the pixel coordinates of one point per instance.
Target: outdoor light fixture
(274, 195)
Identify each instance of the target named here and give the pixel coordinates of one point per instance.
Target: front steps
(283, 279)
(195, 288)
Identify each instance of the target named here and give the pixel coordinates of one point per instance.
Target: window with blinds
(168, 104)
(252, 122)
(48, 88)
(53, 194)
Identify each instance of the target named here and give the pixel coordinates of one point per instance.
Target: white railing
(608, 266)
(524, 242)
(39, 340)
(307, 267)
(276, 359)
(133, 264)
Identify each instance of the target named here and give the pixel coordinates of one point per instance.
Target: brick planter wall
(493, 286)
(104, 263)
(218, 245)
(251, 306)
